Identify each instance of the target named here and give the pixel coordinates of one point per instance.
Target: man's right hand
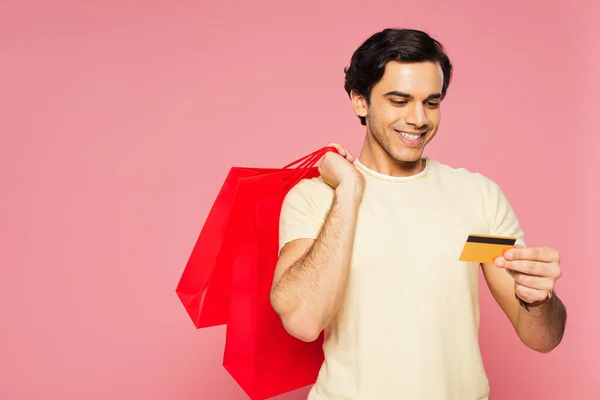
(339, 172)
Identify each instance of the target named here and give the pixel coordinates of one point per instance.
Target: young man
(369, 250)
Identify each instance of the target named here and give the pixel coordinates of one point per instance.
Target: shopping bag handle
(312, 158)
(315, 157)
(306, 165)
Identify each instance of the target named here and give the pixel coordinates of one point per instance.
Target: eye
(399, 103)
(433, 104)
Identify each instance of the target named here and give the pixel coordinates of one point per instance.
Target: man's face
(404, 110)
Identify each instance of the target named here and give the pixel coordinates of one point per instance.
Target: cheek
(434, 117)
(391, 114)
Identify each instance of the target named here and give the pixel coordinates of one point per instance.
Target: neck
(374, 157)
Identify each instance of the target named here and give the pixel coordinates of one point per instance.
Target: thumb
(341, 150)
(508, 255)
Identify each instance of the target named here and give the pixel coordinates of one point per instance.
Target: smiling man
(369, 250)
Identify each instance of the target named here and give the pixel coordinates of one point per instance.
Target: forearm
(542, 327)
(310, 291)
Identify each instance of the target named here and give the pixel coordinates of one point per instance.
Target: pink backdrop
(120, 119)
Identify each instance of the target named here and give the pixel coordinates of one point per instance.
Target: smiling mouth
(410, 136)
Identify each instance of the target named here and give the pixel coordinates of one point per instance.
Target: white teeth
(410, 137)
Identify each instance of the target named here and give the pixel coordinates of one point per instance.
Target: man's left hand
(535, 271)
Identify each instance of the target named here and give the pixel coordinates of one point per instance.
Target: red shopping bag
(204, 286)
(260, 355)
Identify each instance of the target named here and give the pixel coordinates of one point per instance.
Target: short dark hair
(405, 45)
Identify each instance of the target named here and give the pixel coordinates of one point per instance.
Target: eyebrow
(410, 96)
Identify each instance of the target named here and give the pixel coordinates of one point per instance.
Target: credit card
(486, 248)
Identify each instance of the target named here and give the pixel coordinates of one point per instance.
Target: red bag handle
(312, 158)
(307, 162)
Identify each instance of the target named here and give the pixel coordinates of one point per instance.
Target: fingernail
(499, 262)
(508, 255)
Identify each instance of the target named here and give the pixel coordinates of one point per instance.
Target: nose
(416, 115)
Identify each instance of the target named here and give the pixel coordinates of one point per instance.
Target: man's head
(396, 81)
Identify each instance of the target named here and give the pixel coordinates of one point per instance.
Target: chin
(408, 155)
(407, 150)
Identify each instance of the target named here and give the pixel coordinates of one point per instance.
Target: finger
(530, 295)
(341, 150)
(532, 282)
(543, 254)
(528, 267)
(344, 152)
(349, 156)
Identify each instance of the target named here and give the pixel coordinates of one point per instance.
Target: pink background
(120, 119)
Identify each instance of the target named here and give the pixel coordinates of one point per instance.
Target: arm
(529, 273)
(311, 275)
(541, 326)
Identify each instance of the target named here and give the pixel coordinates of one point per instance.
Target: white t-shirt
(408, 325)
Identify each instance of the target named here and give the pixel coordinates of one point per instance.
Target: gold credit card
(486, 248)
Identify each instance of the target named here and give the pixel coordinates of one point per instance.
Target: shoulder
(310, 191)
(304, 210)
(479, 187)
(484, 193)
(464, 178)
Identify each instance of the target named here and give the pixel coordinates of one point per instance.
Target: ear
(359, 103)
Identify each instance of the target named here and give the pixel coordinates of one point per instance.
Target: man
(369, 250)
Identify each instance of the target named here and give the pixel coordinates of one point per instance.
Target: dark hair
(405, 45)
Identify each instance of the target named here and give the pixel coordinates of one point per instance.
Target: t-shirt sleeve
(502, 219)
(304, 210)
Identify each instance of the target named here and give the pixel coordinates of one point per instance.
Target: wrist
(351, 191)
(535, 304)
